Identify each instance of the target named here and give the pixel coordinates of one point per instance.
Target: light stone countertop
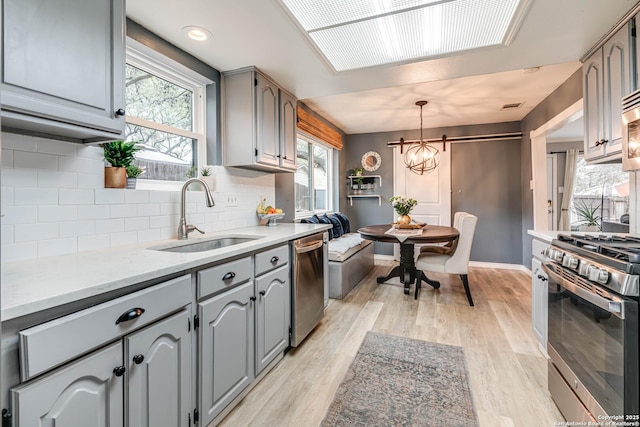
(545, 235)
(40, 284)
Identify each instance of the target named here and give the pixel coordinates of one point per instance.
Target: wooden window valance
(317, 128)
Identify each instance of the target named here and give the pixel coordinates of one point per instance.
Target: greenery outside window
(314, 177)
(165, 107)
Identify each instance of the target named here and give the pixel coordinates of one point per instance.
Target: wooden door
(272, 316)
(267, 121)
(158, 360)
(84, 393)
(226, 349)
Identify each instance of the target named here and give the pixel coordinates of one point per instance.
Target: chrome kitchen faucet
(183, 228)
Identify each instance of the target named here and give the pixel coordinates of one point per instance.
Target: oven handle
(615, 306)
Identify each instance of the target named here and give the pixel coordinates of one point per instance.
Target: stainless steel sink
(205, 245)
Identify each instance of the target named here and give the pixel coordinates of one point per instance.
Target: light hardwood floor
(507, 372)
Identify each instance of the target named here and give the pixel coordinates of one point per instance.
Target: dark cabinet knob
(263, 293)
(138, 359)
(119, 371)
(252, 298)
(120, 112)
(230, 275)
(541, 277)
(274, 259)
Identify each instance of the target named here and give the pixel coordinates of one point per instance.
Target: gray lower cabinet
(539, 301)
(88, 392)
(272, 316)
(158, 362)
(63, 72)
(226, 349)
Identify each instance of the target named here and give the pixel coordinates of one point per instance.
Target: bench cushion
(342, 248)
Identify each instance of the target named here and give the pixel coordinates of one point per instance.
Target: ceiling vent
(513, 106)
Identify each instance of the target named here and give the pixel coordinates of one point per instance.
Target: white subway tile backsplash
(35, 232)
(19, 251)
(19, 142)
(109, 196)
(54, 202)
(35, 196)
(123, 211)
(7, 158)
(57, 247)
(77, 228)
(109, 226)
(136, 196)
(73, 196)
(19, 215)
(94, 242)
(51, 179)
(29, 160)
(19, 178)
(57, 213)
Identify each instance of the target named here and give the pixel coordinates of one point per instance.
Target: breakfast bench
(350, 256)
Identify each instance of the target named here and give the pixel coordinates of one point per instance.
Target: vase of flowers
(403, 206)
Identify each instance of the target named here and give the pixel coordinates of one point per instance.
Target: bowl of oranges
(268, 214)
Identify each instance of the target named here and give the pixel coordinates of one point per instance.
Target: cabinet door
(267, 122)
(593, 106)
(84, 393)
(288, 137)
(64, 61)
(272, 316)
(226, 337)
(158, 360)
(539, 298)
(617, 84)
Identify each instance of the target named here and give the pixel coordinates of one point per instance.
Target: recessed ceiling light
(197, 33)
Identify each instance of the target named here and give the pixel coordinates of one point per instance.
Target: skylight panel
(359, 34)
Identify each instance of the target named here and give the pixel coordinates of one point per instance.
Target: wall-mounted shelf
(362, 196)
(351, 177)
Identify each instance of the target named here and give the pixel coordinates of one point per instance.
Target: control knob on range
(599, 275)
(584, 269)
(571, 262)
(557, 255)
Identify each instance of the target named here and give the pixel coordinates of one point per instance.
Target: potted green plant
(119, 155)
(133, 172)
(206, 173)
(358, 180)
(587, 216)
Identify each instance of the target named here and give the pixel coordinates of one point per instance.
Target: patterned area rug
(396, 381)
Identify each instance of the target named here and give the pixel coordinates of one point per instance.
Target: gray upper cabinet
(259, 122)
(158, 361)
(88, 392)
(607, 77)
(226, 349)
(63, 73)
(272, 316)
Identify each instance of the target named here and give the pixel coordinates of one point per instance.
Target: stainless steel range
(593, 326)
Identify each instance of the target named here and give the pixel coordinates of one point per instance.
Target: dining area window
(313, 178)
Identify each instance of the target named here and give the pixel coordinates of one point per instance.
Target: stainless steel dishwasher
(307, 289)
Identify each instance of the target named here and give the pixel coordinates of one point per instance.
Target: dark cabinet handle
(138, 359)
(119, 371)
(284, 157)
(252, 298)
(263, 293)
(230, 275)
(278, 156)
(601, 142)
(120, 112)
(541, 277)
(134, 313)
(274, 259)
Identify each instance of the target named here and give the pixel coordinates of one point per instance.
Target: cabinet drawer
(224, 276)
(273, 258)
(537, 247)
(58, 341)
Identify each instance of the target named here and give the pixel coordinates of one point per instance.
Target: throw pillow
(324, 219)
(337, 226)
(344, 221)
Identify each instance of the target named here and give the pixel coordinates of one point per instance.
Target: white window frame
(147, 59)
(330, 178)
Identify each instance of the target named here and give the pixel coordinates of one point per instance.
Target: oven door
(593, 342)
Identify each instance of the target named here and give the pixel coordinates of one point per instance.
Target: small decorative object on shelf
(119, 154)
(403, 206)
(268, 214)
(133, 172)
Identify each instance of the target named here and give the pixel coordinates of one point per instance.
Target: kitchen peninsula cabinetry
(63, 70)
(149, 366)
(607, 77)
(539, 293)
(259, 122)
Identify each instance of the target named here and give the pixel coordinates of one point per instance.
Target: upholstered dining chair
(449, 247)
(453, 263)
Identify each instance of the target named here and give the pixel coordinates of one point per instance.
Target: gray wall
(366, 211)
(559, 100)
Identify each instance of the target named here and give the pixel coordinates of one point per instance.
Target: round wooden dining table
(406, 269)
